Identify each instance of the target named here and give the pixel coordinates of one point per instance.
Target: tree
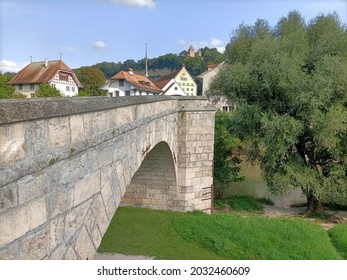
(91, 79)
(226, 155)
(45, 90)
(6, 90)
(291, 86)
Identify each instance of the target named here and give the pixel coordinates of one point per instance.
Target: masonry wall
(66, 164)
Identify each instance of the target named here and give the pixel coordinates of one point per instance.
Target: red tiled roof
(139, 81)
(163, 80)
(37, 72)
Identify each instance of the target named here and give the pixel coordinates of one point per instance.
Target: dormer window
(121, 83)
(63, 77)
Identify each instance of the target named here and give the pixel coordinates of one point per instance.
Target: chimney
(131, 71)
(46, 62)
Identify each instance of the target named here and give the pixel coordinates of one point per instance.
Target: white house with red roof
(56, 73)
(127, 83)
(183, 79)
(171, 88)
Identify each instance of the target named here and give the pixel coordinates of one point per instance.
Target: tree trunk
(313, 205)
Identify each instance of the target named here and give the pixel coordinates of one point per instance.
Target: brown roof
(163, 80)
(37, 72)
(139, 81)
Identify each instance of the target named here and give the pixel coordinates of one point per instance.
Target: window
(110, 94)
(117, 92)
(54, 86)
(20, 87)
(127, 93)
(73, 89)
(121, 83)
(183, 78)
(192, 84)
(67, 88)
(31, 86)
(63, 77)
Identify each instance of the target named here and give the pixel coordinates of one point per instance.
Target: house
(206, 78)
(56, 73)
(170, 88)
(127, 83)
(183, 79)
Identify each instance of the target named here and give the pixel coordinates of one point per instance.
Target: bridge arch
(154, 185)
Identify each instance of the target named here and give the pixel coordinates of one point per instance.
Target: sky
(86, 32)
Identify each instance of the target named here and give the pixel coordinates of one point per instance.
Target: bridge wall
(66, 164)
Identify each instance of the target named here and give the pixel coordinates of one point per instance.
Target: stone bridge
(67, 164)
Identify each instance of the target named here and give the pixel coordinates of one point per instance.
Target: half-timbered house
(56, 73)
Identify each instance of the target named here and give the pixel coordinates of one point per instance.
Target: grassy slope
(140, 231)
(253, 237)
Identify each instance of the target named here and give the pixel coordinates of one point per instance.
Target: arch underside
(154, 184)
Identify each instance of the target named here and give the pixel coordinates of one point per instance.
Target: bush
(244, 203)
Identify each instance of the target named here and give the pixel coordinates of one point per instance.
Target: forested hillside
(165, 63)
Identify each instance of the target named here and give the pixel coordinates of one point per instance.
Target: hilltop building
(127, 83)
(183, 79)
(191, 51)
(56, 73)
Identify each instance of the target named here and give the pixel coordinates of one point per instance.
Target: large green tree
(91, 79)
(226, 155)
(290, 82)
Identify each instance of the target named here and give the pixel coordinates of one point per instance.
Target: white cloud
(134, 3)
(99, 45)
(11, 66)
(213, 43)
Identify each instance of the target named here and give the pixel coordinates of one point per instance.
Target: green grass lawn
(338, 235)
(140, 231)
(172, 235)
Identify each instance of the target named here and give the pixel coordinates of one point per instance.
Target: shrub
(244, 203)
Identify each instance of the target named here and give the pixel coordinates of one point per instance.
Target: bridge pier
(67, 163)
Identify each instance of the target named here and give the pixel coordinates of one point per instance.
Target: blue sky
(90, 31)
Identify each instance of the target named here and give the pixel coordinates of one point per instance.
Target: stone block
(37, 138)
(35, 246)
(20, 220)
(30, 187)
(8, 197)
(99, 211)
(74, 219)
(87, 187)
(57, 230)
(10, 251)
(92, 228)
(84, 246)
(58, 253)
(12, 143)
(77, 128)
(71, 254)
(59, 132)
